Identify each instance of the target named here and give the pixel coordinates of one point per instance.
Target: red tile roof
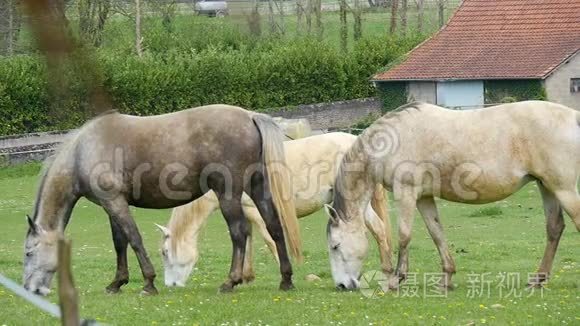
(496, 39)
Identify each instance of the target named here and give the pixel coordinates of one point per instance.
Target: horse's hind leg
(428, 210)
(269, 213)
(118, 210)
(239, 230)
(120, 242)
(554, 228)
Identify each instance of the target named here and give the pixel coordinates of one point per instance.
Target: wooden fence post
(67, 293)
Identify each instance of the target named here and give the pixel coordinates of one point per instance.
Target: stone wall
(17, 149)
(333, 115)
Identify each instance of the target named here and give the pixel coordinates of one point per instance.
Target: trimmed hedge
(270, 75)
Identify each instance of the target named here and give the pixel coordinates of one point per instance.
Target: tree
(276, 9)
(394, 9)
(254, 19)
(299, 15)
(441, 6)
(404, 17)
(420, 15)
(309, 10)
(318, 14)
(10, 22)
(167, 8)
(357, 14)
(343, 26)
(138, 37)
(93, 15)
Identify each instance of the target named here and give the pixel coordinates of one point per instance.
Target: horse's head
(348, 247)
(178, 259)
(40, 258)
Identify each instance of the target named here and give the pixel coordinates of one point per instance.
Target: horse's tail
(380, 205)
(280, 180)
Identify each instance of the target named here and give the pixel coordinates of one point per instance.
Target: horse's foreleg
(428, 210)
(377, 229)
(554, 228)
(406, 214)
(239, 229)
(120, 242)
(269, 213)
(118, 211)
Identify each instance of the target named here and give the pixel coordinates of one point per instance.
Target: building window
(575, 85)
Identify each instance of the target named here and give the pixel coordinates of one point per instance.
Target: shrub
(235, 69)
(498, 91)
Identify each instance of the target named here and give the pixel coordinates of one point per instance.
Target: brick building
(494, 51)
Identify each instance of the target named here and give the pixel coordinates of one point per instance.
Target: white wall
(558, 84)
(424, 91)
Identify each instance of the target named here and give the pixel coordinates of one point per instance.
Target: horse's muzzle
(353, 285)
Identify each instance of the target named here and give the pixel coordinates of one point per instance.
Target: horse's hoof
(249, 278)
(226, 288)
(394, 283)
(286, 286)
(149, 290)
(444, 287)
(534, 285)
(113, 290)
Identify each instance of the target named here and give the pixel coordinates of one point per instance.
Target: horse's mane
(65, 146)
(179, 223)
(183, 218)
(357, 153)
(45, 170)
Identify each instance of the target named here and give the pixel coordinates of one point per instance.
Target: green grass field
(504, 237)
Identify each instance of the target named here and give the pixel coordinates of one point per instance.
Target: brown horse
(313, 162)
(164, 161)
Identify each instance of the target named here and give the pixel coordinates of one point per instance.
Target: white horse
(313, 164)
(423, 151)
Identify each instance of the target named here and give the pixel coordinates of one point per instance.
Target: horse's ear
(332, 214)
(32, 225)
(163, 229)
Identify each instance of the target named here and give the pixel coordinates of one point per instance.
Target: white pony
(313, 163)
(423, 151)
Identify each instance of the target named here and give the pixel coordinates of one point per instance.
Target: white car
(214, 8)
